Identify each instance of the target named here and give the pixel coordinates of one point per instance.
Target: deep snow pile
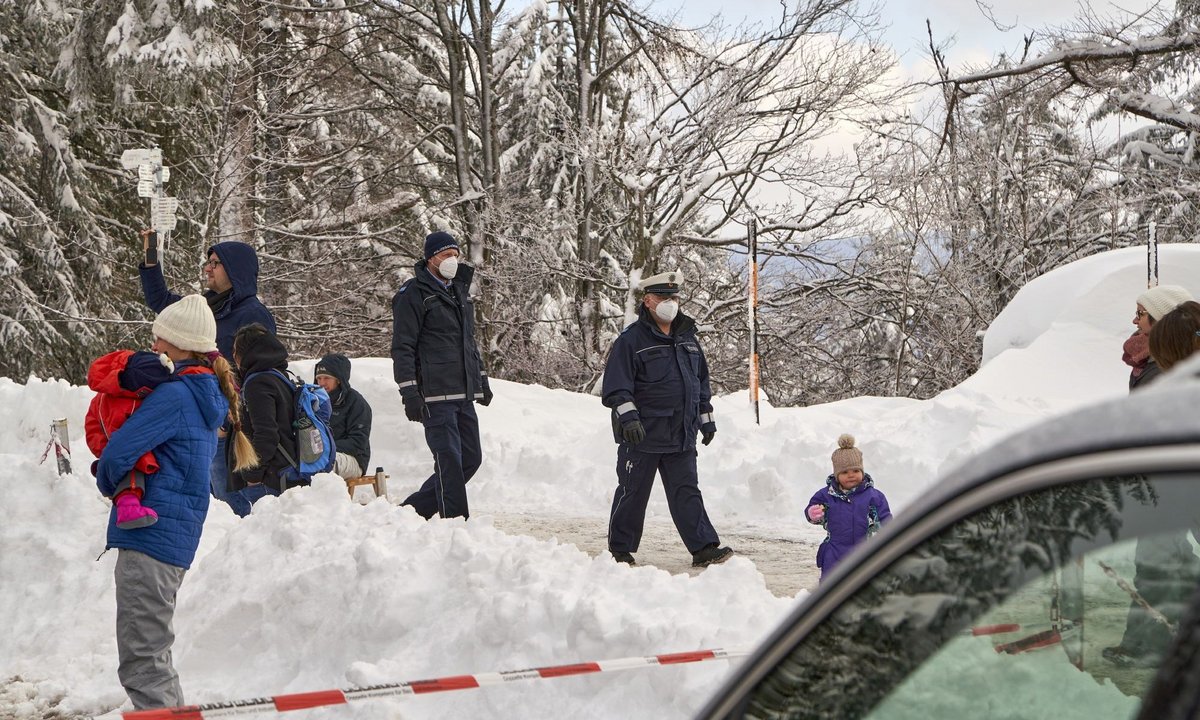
(315, 592)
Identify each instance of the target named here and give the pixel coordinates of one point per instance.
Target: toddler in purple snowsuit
(848, 507)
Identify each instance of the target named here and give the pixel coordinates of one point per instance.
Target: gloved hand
(487, 393)
(632, 431)
(414, 404)
(815, 513)
(150, 247)
(707, 430)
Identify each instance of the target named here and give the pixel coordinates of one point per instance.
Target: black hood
(262, 352)
(335, 365)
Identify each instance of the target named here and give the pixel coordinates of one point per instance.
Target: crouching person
(350, 422)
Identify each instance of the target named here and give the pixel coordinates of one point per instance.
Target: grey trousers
(146, 590)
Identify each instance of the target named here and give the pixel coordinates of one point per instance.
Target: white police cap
(666, 283)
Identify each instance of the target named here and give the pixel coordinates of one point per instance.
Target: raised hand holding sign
(152, 175)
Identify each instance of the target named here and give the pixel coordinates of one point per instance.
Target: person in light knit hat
(177, 422)
(1152, 305)
(849, 507)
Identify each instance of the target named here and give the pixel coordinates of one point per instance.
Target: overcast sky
(976, 38)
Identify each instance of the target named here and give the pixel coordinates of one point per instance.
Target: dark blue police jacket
(661, 380)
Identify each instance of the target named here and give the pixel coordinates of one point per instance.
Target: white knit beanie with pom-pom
(847, 457)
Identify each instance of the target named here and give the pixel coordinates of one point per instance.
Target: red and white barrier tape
(322, 698)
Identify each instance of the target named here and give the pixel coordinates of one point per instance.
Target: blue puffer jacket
(849, 518)
(241, 308)
(661, 380)
(178, 421)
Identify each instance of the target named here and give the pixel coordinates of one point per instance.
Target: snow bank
(314, 592)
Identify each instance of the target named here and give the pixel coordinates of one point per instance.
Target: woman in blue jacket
(178, 422)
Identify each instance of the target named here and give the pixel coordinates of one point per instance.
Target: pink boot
(131, 514)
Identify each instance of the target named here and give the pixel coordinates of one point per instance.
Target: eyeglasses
(211, 264)
(1140, 314)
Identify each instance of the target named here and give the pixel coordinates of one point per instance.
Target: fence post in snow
(752, 307)
(62, 445)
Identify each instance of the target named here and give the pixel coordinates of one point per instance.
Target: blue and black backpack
(314, 449)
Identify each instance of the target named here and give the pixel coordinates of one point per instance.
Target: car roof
(1163, 414)
(1166, 413)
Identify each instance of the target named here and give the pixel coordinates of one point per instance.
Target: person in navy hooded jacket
(656, 382)
(849, 507)
(177, 422)
(231, 274)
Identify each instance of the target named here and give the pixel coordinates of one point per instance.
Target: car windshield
(1057, 604)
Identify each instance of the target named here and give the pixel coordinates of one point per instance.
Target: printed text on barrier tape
(322, 698)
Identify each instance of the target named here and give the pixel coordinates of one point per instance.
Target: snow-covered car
(1014, 589)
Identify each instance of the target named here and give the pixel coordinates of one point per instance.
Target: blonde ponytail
(243, 451)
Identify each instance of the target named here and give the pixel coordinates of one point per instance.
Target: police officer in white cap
(656, 382)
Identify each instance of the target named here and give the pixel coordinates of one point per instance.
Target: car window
(1008, 613)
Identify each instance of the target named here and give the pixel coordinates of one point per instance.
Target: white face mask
(449, 268)
(667, 310)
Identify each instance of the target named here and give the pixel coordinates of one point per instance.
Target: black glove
(487, 393)
(707, 430)
(632, 431)
(150, 247)
(414, 406)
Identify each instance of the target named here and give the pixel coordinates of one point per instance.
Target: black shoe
(623, 557)
(1124, 657)
(711, 555)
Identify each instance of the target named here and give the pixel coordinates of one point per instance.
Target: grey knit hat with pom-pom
(847, 457)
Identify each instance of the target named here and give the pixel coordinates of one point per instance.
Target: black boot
(711, 555)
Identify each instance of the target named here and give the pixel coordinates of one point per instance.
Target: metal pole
(62, 445)
(1152, 254)
(752, 307)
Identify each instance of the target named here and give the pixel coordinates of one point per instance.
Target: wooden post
(752, 308)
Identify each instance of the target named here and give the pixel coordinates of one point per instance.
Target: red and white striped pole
(752, 308)
(323, 698)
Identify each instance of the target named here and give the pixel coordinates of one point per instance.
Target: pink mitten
(816, 513)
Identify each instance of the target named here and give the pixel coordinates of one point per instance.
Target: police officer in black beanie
(438, 369)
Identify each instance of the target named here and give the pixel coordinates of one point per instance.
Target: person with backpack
(268, 415)
(350, 421)
(438, 370)
(231, 274)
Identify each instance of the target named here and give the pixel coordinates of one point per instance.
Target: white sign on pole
(146, 172)
(141, 156)
(162, 212)
(145, 188)
(166, 174)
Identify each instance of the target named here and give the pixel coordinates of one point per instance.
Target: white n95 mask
(667, 310)
(449, 268)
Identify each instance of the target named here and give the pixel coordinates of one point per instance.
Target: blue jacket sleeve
(154, 423)
(154, 287)
(885, 512)
(705, 388)
(619, 377)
